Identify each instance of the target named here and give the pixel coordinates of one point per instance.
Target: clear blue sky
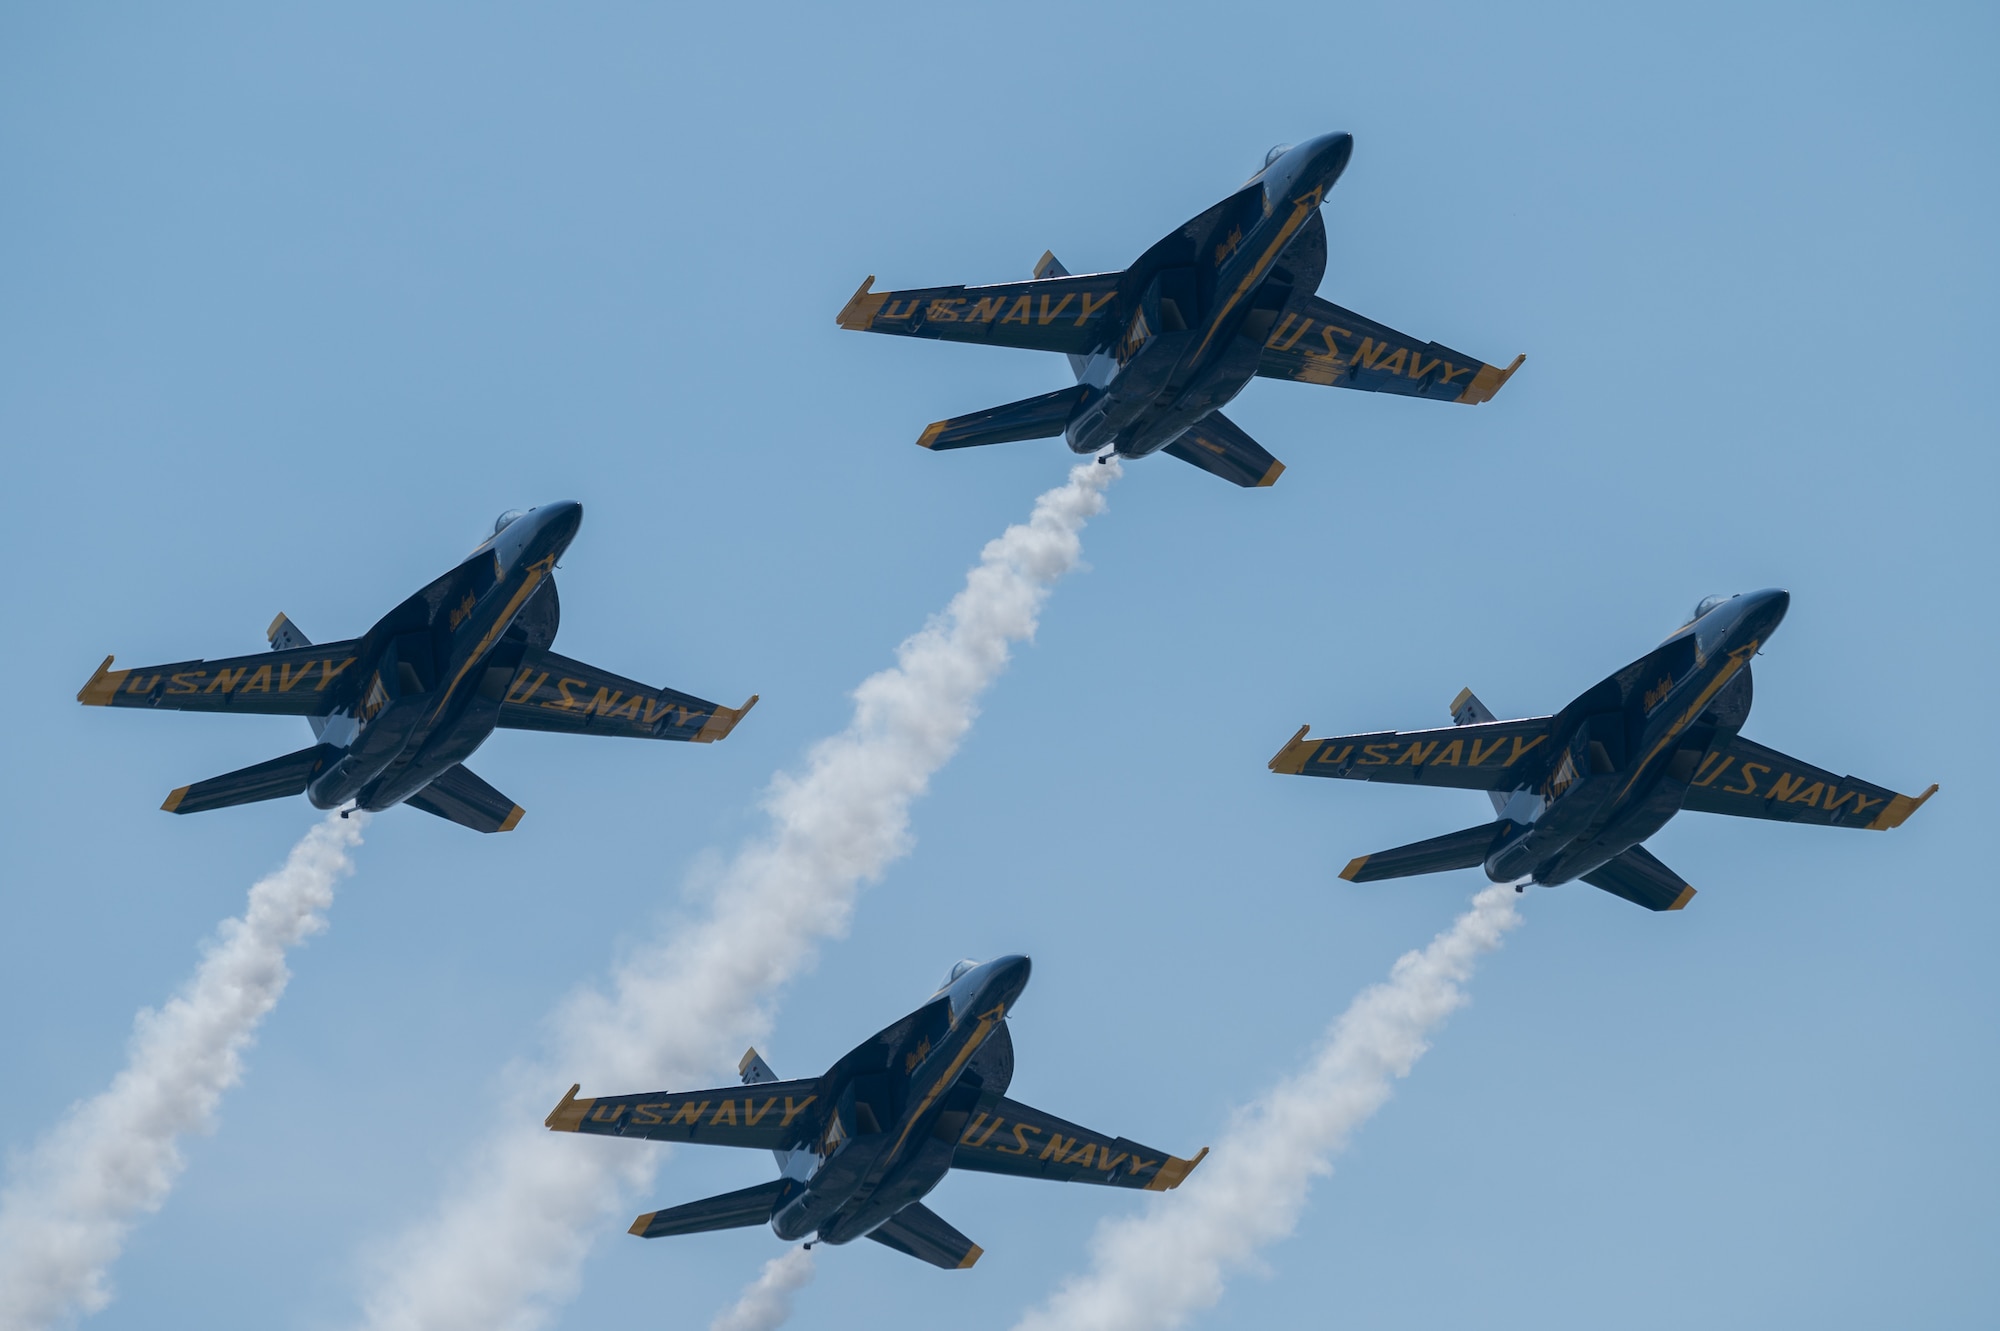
(292, 303)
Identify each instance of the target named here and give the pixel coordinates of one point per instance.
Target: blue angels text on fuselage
(1159, 348)
(397, 711)
(858, 1148)
(1576, 793)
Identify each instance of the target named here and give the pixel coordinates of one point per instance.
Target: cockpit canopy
(1707, 604)
(1277, 152)
(956, 971)
(502, 522)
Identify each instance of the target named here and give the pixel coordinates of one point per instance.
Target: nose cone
(561, 519)
(1765, 611)
(1325, 157)
(1003, 981)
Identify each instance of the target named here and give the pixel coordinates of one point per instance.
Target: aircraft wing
(1317, 342)
(772, 1116)
(1487, 756)
(552, 692)
(1007, 1137)
(305, 681)
(1750, 781)
(1073, 314)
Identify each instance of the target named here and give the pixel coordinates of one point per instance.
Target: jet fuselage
(1622, 756)
(434, 671)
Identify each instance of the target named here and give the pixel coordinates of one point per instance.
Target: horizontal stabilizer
(1453, 850)
(1220, 447)
(462, 798)
(731, 1210)
(1639, 877)
(918, 1231)
(1040, 417)
(274, 780)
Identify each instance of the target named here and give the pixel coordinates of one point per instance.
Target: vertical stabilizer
(1050, 266)
(284, 635)
(1467, 710)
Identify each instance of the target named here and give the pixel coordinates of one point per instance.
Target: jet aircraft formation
(1156, 351)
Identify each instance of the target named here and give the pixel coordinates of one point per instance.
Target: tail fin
(273, 780)
(1453, 850)
(755, 1070)
(1050, 266)
(1039, 417)
(283, 635)
(1220, 447)
(460, 797)
(1467, 710)
(918, 1231)
(730, 1210)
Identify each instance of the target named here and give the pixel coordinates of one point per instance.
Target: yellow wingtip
(861, 307)
(642, 1224)
(102, 685)
(1271, 477)
(513, 817)
(1174, 1171)
(568, 1114)
(1353, 867)
(971, 1257)
(1489, 381)
(1900, 808)
(173, 804)
(930, 434)
(1291, 760)
(724, 721)
(1681, 901)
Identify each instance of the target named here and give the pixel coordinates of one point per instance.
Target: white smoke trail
(112, 1159)
(767, 1303)
(1157, 1269)
(509, 1239)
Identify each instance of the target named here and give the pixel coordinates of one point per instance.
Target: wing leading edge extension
(1007, 1137)
(1494, 755)
(1747, 780)
(1318, 342)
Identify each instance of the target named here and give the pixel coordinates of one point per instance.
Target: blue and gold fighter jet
(397, 711)
(858, 1148)
(1158, 348)
(1576, 793)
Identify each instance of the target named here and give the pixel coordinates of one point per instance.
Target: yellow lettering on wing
(944, 311)
(1451, 754)
(328, 672)
(226, 680)
(598, 1115)
(286, 679)
(986, 311)
(1332, 352)
(1021, 1143)
(136, 685)
(645, 1115)
(991, 1128)
(793, 1111)
(1709, 779)
(1394, 364)
(1107, 1161)
(724, 1113)
(523, 688)
(1368, 353)
(1091, 307)
(1416, 753)
(1019, 312)
(1520, 748)
(1809, 796)
(185, 683)
(1783, 787)
(1279, 341)
(689, 1113)
(1084, 1156)
(1374, 755)
(1140, 1166)
(751, 1115)
(1480, 755)
(260, 682)
(1749, 786)
(1835, 797)
(1049, 316)
(1862, 803)
(1418, 369)
(604, 702)
(1327, 755)
(894, 312)
(1451, 374)
(1058, 1145)
(565, 702)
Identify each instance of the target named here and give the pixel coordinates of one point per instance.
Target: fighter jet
(859, 1147)
(1159, 347)
(1576, 793)
(397, 711)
